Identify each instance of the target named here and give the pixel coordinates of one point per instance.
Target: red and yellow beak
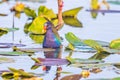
(44, 68)
(44, 29)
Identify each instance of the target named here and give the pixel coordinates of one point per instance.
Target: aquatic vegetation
(72, 12)
(96, 6)
(95, 44)
(18, 7)
(115, 44)
(85, 56)
(18, 74)
(117, 2)
(37, 24)
(38, 19)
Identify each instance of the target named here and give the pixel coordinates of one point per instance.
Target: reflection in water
(98, 5)
(52, 54)
(59, 68)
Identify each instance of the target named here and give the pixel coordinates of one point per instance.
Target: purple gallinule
(52, 38)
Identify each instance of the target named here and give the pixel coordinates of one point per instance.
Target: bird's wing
(55, 32)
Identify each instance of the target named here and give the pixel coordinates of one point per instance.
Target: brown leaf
(72, 77)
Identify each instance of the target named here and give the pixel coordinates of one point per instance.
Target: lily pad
(37, 25)
(115, 44)
(29, 12)
(72, 77)
(93, 65)
(32, 50)
(12, 53)
(37, 38)
(83, 61)
(1, 14)
(8, 45)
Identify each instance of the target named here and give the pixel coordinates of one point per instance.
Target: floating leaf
(26, 27)
(34, 67)
(33, 78)
(37, 25)
(29, 12)
(71, 12)
(45, 12)
(96, 70)
(70, 47)
(12, 29)
(100, 55)
(36, 60)
(72, 77)
(83, 61)
(10, 53)
(71, 38)
(72, 22)
(3, 14)
(63, 72)
(94, 44)
(32, 50)
(21, 72)
(115, 44)
(7, 75)
(3, 31)
(37, 38)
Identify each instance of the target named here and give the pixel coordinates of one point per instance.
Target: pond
(105, 27)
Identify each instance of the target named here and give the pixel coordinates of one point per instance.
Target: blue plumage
(51, 39)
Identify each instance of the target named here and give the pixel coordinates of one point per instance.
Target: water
(104, 28)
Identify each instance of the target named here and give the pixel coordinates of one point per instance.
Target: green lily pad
(37, 25)
(3, 31)
(48, 13)
(37, 38)
(11, 53)
(115, 44)
(29, 12)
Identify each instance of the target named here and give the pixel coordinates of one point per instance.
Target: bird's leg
(60, 20)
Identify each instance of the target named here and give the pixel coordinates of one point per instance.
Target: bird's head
(47, 25)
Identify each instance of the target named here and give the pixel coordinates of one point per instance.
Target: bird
(51, 38)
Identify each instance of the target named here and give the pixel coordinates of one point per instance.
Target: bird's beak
(44, 68)
(44, 29)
